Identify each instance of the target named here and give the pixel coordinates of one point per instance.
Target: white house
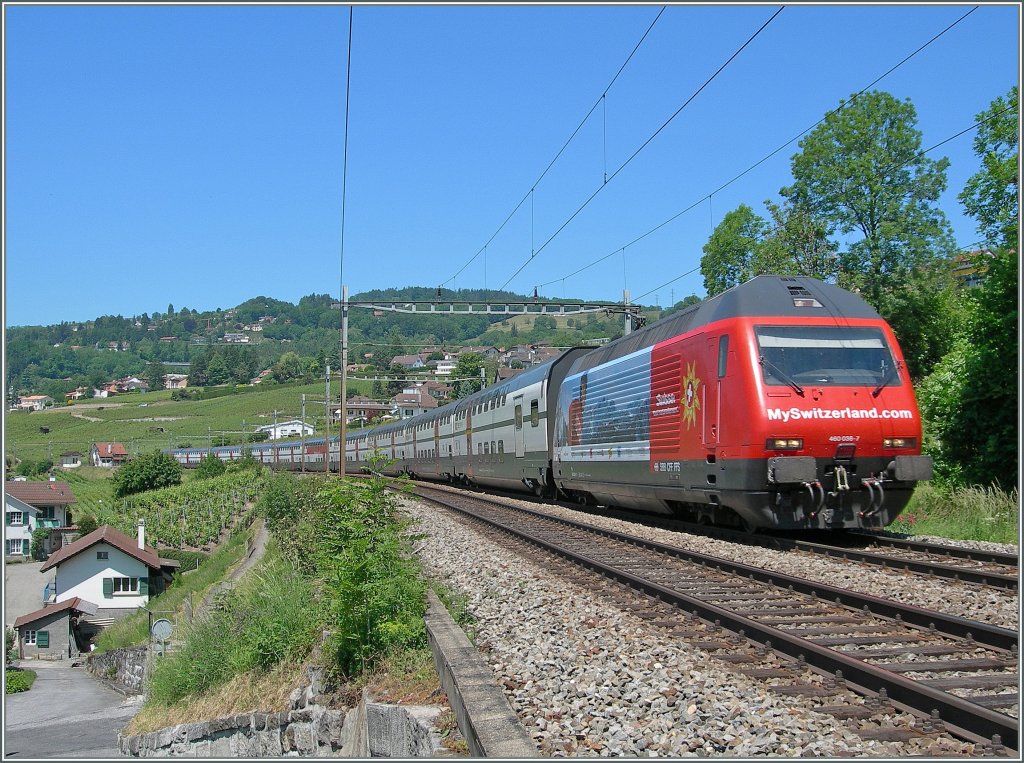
(445, 367)
(35, 402)
(19, 521)
(115, 572)
(72, 459)
(289, 428)
(51, 500)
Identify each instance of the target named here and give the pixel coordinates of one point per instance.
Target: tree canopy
(151, 471)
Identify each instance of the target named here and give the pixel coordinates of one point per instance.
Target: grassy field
(151, 421)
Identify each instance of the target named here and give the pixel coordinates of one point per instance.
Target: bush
(148, 472)
(19, 680)
(86, 524)
(39, 536)
(210, 466)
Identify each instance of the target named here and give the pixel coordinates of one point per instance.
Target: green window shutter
(7, 517)
(143, 586)
(43, 639)
(108, 588)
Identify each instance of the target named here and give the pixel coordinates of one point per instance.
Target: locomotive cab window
(534, 413)
(825, 355)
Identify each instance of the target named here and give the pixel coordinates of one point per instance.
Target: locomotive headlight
(783, 443)
(899, 442)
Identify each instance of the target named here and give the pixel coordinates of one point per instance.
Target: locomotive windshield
(825, 355)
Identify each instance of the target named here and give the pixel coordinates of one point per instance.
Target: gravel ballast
(587, 679)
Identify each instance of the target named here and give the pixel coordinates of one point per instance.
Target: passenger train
(781, 403)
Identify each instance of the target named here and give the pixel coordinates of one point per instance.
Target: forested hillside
(302, 338)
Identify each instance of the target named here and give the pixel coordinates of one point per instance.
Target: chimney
(142, 534)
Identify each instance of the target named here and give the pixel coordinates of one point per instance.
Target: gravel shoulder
(587, 679)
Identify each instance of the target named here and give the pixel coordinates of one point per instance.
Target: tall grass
(966, 513)
(268, 620)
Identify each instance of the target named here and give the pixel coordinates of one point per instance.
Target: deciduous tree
(147, 472)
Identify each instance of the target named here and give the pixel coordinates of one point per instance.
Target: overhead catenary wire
(643, 145)
(600, 100)
(707, 197)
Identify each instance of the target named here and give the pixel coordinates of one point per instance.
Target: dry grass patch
(407, 679)
(242, 694)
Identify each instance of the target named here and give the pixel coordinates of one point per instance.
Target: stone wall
(125, 667)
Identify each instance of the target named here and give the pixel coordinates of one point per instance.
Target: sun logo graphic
(691, 403)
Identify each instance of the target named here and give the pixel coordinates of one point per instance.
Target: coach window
(534, 413)
(723, 354)
(494, 450)
(519, 417)
(501, 450)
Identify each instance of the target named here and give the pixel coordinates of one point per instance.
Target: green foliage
(468, 367)
(19, 680)
(970, 409)
(86, 524)
(269, 618)
(194, 514)
(39, 536)
(862, 170)
(9, 637)
(969, 401)
(154, 375)
(34, 468)
(990, 195)
(151, 471)
(971, 513)
(210, 466)
(348, 537)
(729, 254)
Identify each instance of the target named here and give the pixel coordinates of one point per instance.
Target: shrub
(210, 466)
(19, 680)
(86, 524)
(148, 472)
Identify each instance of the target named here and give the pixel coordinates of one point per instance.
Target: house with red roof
(110, 569)
(109, 454)
(54, 632)
(50, 500)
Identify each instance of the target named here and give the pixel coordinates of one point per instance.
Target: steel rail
(959, 552)
(971, 721)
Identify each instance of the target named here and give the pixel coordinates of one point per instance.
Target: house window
(102, 554)
(15, 518)
(29, 638)
(125, 586)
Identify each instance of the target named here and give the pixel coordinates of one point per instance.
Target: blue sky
(192, 155)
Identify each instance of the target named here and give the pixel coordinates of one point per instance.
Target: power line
(761, 161)
(529, 193)
(643, 146)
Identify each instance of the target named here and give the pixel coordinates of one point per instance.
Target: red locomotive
(781, 403)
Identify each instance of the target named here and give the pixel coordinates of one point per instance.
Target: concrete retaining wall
(491, 727)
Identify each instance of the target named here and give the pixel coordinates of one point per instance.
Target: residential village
(88, 581)
(417, 397)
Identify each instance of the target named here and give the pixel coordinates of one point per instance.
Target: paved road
(23, 589)
(66, 714)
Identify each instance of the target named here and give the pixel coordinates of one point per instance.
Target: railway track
(987, 568)
(953, 674)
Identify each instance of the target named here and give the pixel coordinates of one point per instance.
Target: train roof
(760, 296)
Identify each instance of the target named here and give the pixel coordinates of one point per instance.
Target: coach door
(717, 363)
(517, 403)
